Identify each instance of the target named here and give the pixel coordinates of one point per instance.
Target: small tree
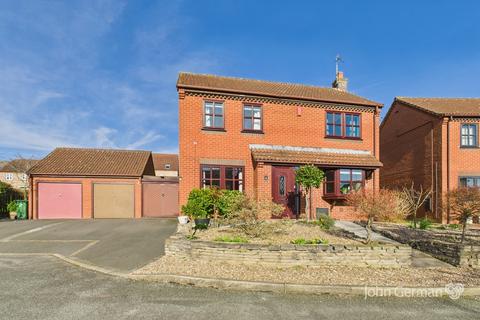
(377, 205)
(464, 203)
(414, 199)
(309, 177)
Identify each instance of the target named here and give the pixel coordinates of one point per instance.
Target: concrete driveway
(120, 245)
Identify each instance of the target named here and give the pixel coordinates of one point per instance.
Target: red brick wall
(291, 124)
(415, 149)
(411, 144)
(87, 193)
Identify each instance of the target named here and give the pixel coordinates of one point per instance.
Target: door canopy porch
(318, 156)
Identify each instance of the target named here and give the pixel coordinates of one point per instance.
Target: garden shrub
(249, 216)
(425, 224)
(303, 241)
(453, 226)
(199, 204)
(381, 205)
(325, 222)
(229, 201)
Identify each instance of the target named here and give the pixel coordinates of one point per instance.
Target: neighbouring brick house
(432, 142)
(251, 135)
(166, 165)
(14, 173)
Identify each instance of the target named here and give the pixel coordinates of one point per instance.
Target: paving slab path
(361, 232)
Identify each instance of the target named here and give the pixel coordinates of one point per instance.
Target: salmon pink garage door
(59, 200)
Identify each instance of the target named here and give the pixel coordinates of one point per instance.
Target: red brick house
(432, 142)
(251, 135)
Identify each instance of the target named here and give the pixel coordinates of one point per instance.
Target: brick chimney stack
(340, 82)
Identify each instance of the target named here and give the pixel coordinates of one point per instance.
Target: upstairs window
(252, 118)
(468, 135)
(9, 176)
(214, 115)
(167, 166)
(340, 182)
(222, 177)
(352, 125)
(343, 125)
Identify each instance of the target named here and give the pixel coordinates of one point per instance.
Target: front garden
(231, 236)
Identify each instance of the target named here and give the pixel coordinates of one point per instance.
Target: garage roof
(93, 162)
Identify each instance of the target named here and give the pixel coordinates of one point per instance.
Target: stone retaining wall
(453, 253)
(290, 254)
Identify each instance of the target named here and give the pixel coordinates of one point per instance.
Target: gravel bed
(283, 232)
(325, 275)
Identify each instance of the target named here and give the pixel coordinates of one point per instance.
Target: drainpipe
(374, 144)
(448, 168)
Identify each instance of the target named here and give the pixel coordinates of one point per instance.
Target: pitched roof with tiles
(270, 89)
(18, 165)
(93, 162)
(162, 159)
(319, 156)
(445, 106)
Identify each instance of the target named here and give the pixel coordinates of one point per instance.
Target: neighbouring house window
(469, 135)
(214, 117)
(24, 176)
(167, 166)
(9, 176)
(252, 118)
(470, 182)
(222, 177)
(340, 182)
(343, 125)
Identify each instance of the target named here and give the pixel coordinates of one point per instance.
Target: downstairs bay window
(222, 177)
(339, 182)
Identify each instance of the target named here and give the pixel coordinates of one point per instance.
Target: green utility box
(21, 209)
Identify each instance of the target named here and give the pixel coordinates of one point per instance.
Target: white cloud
(64, 84)
(15, 134)
(146, 139)
(103, 137)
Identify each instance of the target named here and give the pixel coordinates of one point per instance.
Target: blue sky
(102, 73)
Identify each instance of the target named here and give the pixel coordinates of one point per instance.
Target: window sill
(335, 196)
(343, 138)
(468, 147)
(214, 129)
(252, 131)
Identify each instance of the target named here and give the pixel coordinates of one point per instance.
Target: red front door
(283, 188)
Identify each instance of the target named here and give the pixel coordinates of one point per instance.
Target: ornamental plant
(377, 205)
(414, 199)
(12, 206)
(199, 205)
(464, 203)
(309, 177)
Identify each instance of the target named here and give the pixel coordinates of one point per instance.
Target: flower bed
(280, 232)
